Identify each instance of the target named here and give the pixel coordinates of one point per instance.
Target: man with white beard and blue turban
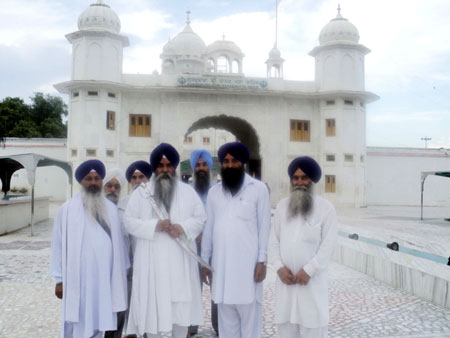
(302, 240)
(89, 258)
(166, 296)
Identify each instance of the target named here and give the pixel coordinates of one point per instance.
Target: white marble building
(120, 118)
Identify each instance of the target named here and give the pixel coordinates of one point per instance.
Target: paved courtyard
(360, 305)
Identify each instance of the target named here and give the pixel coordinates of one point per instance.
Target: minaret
(275, 62)
(339, 57)
(97, 47)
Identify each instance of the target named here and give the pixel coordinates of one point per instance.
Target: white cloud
(145, 24)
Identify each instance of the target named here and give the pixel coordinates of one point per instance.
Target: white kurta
(236, 237)
(166, 284)
(303, 243)
(92, 267)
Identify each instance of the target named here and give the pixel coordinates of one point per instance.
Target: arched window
(275, 71)
(211, 66)
(223, 65)
(235, 66)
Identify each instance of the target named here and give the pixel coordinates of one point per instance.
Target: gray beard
(113, 197)
(301, 201)
(94, 205)
(164, 189)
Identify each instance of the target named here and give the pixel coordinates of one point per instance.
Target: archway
(243, 131)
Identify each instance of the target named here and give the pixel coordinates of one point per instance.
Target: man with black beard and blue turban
(302, 240)
(166, 296)
(235, 239)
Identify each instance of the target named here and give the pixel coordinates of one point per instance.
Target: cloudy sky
(409, 66)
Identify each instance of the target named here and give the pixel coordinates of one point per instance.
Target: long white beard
(94, 205)
(164, 189)
(301, 200)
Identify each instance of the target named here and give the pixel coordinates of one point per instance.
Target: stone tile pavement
(359, 305)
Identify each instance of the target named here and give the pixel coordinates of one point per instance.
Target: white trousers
(288, 330)
(177, 332)
(240, 320)
(71, 332)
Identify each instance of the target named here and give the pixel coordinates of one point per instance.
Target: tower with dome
(202, 98)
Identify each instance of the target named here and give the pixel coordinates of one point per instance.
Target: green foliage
(43, 118)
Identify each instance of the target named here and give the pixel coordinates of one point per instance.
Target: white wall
(50, 181)
(393, 176)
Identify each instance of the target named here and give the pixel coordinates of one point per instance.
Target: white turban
(116, 173)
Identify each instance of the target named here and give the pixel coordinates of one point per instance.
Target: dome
(99, 17)
(185, 43)
(339, 29)
(274, 53)
(223, 45)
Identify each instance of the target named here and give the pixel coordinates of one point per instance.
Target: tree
(43, 118)
(47, 113)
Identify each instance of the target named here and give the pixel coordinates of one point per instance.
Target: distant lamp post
(426, 139)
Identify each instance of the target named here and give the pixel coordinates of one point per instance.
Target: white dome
(185, 43)
(274, 53)
(224, 45)
(99, 17)
(339, 29)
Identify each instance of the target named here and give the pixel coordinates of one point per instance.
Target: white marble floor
(359, 305)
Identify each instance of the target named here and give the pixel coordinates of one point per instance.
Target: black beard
(232, 178)
(301, 200)
(201, 181)
(164, 189)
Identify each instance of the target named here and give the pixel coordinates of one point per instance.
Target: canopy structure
(423, 178)
(11, 163)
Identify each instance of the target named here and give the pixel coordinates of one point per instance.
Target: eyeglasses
(110, 186)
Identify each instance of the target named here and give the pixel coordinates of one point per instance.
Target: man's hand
(260, 272)
(286, 276)
(163, 225)
(59, 290)
(176, 231)
(302, 277)
(206, 275)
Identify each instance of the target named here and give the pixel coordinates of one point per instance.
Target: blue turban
(142, 166)
(204, 154)
(164, 149)
(308, 165)
(236, 149)
(86, 167)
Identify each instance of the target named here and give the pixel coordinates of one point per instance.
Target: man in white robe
(166, 296)
(113, 187)
(137, 172)
(89, 259)
(302, 241)
(235, 239)
(201, 163)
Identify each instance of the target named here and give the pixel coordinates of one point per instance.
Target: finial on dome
(339, 11)
(100, 3)
(188, 20)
